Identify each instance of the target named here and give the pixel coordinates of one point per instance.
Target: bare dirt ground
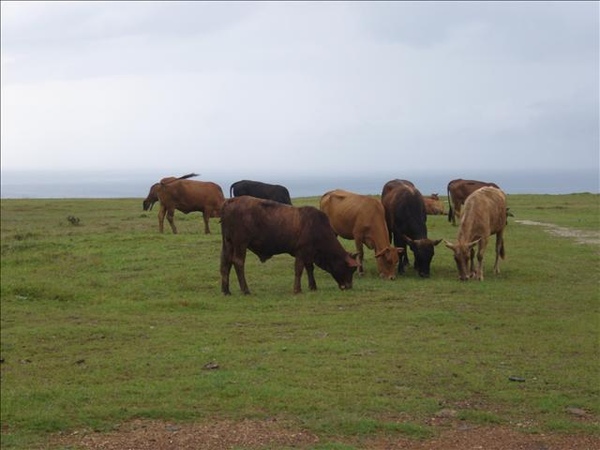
(581, 237)
(270, 434)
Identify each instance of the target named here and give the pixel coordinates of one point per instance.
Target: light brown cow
(484, 215)
(362, 218)
(433, 205)
(458, 191)
(186, 196)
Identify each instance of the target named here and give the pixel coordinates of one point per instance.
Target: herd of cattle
(260, 217)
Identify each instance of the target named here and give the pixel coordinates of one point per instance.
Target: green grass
(108, 320)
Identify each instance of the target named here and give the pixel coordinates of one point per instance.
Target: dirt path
(581, 236)
(271, 434)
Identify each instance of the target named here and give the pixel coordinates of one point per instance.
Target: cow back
(405, 211)
(262, 190)
(190, 195)
(269, 228)
(484, 214)
(348, 212)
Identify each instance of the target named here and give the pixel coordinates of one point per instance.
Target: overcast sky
(300, 87)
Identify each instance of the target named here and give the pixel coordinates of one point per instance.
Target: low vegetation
(105, 320)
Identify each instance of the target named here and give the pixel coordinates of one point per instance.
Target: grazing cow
(433, 205)
(186, 196)
(407, 221)
(484, 215)
(270, 228)
(257, 189)
(362, 218)
(458, 191)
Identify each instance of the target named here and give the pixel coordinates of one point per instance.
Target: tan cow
(484, 215)
(458, 191)
(433, 205)
(362, 218)
(186, 196)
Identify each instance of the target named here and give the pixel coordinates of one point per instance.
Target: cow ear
(449, 244)
(407, 239)
(351, 259)
(437, 242)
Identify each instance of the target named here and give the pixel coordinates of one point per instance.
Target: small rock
(577, 412)
(446, 413)
(518, 379)
(210, 366)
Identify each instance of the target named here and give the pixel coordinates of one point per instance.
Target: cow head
(423, 250)
(344, 271)
(152, 197)
(463, 254)
(387, 261)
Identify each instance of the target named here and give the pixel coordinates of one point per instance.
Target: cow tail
(189, 175)
(450, 212)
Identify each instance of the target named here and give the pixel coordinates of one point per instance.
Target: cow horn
(471, 244)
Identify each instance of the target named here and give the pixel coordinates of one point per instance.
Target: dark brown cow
(484, 215)
(433, 205)
(362, 218)
(186, 196)
(268, 228)
(407, 221)
(259, 189)
(458, 191)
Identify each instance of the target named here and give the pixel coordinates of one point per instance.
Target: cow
(484, 214)
(258, 189)
(186, 196)
(407, 221)
(268, 228)
(458, 191)
(362, 218)
(433, 205)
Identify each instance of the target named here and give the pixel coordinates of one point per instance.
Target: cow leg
(298, 268)
(499, 251)
(206, 215)
(161, 219)
(360, 256)
(226, 261)
(472, 270)
(403, 260)
(171, 219)
(239, 258)
(310, 272)
(480, 251)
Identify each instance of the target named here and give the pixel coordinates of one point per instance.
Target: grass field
(108, 320)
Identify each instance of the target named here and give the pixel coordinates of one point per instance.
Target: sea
(30, 184)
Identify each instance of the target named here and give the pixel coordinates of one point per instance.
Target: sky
(299, 87)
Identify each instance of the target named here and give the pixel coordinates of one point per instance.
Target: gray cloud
(299, 85)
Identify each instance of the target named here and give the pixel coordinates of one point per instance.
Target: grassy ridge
(109, 320)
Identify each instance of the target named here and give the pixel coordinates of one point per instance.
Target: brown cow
(362, 218)
(433, 205)
(268, 228)
(407, 222)
(484, 215)
(458, 191)
(186, 196)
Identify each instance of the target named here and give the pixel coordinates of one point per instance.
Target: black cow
(269, 228)
(258, 189)
(407, 222)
